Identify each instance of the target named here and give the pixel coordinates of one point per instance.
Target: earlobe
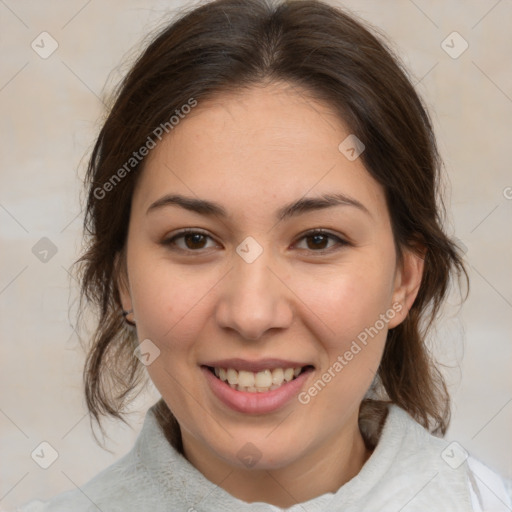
(407, 283)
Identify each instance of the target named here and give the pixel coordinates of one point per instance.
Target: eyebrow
(301, 206)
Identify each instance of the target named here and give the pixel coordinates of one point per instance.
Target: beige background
(51, 111)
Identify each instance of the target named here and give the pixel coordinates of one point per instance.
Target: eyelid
(341, 241)
(169, 241)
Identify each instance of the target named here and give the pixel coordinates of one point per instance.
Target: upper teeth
(256, 382)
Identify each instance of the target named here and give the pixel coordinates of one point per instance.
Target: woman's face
(255, 294)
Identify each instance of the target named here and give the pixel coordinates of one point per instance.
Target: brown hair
(226, 45)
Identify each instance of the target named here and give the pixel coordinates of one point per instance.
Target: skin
(253, 152)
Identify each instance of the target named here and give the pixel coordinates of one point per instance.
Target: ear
(121, 280)
(407, 283)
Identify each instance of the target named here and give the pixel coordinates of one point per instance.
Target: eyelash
(171, 242)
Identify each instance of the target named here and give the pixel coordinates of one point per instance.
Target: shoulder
(488, 490)
(107, 491)
(419, 471)
(141, 480)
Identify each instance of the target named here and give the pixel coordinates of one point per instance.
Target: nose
(253, 299)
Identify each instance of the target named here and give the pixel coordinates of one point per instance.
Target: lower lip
(255, 403)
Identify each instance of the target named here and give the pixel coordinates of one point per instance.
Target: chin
(260, 452)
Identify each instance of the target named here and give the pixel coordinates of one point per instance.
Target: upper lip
(254, 366)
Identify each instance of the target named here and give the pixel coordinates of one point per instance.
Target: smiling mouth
(257, 382)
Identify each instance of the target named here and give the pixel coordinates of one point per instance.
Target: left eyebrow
(307, 204)
(299, 207)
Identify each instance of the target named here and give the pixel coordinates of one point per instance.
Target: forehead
(257, 148)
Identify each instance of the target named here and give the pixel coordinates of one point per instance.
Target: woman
(265, 239)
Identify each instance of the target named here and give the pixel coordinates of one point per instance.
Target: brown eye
(317, 241)
(320, 241)
(190, 240)
(195, 241)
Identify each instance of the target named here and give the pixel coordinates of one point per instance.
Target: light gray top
(409, 470)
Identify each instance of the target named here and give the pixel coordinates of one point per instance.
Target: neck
(323, 469)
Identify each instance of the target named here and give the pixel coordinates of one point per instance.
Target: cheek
(173, 305)
(345, 318)
(345, 303)
(349, 316)
(170, 300)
